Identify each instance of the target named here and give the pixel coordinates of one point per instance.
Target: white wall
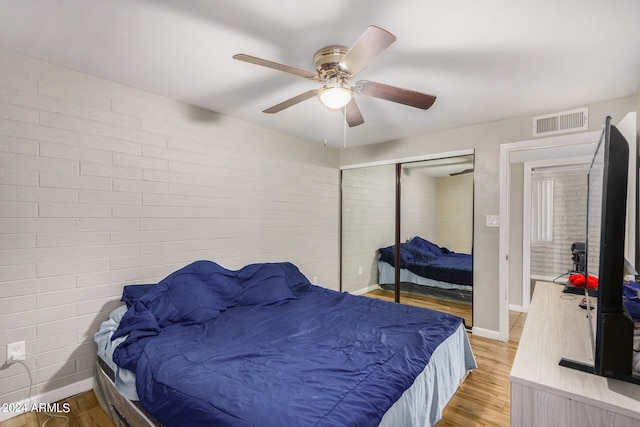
(485, 139)
(102, 185)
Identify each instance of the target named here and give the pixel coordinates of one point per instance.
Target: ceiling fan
(335, 66)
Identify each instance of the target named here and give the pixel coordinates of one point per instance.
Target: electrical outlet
(15, 351)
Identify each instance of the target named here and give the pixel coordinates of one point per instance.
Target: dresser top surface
(556, 327)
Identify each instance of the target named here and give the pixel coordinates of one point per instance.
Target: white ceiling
(485, 60)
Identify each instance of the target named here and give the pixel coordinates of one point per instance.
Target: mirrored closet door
(427, 208)
(436, 220)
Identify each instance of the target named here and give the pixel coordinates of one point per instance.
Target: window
(542, 209)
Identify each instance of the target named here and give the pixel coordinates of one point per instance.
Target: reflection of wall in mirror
(417, 205)
(368, 223)
(439, 209)
(454, 212)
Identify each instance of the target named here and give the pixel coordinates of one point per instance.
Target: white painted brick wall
(552, 259)
(102, 186)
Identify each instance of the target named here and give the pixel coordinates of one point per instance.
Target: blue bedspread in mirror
(429, 260)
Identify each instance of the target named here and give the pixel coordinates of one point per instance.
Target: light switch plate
(493, 220)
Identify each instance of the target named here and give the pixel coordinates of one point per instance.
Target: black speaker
(578, 257)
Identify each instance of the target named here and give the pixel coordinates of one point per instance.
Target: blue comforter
(261, 346)
(429, 260)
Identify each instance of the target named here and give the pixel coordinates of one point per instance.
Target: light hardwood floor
(484, 397)
(84, 412)
(482, 400)
(457, 308)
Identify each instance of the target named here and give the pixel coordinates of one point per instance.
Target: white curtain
(542, 210)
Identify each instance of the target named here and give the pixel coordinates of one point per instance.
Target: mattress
(387, 275)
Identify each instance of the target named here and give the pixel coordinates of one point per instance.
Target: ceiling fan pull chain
(325, 127)
(344, 127)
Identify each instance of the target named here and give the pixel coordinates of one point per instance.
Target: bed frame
(122, 411)
(413, 283)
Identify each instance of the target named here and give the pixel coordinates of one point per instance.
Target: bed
(261, 346)
(429, 269)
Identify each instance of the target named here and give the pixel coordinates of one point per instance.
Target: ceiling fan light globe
(335, 98)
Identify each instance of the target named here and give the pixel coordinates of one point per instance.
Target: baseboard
(552, 279)
(515, 307)
(486, 333)
(365, 290)
(50, 396)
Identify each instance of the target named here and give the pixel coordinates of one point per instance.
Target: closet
(428, 203)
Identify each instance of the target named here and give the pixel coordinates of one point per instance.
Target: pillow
(407, 254)
(268, 283)
(420, 255)
(131, 293)
(196, 293)
(421, 243)
(386, 254)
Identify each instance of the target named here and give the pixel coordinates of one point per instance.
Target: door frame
(529, 166)
(526, 150)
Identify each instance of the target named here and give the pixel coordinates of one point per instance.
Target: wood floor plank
(26, 420)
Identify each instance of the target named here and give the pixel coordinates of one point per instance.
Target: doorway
(552, 222)
(511, 247)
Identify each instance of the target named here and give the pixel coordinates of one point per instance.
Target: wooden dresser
(545, 394)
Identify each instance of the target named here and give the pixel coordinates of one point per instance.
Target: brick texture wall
(551, 259)
(102, 185)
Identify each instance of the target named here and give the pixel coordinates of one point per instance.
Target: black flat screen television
(612, 341)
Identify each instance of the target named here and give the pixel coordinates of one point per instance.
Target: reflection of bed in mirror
(428, 269)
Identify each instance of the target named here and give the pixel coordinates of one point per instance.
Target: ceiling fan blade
(291, 101)
(276, 66)
(462, 172)
(395, 94)
(353, 114)
(373, 41)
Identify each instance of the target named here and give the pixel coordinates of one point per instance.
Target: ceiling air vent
(566, 121)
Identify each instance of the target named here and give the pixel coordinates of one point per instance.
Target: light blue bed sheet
(125, 380)
(422, 404)
(387, 275)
